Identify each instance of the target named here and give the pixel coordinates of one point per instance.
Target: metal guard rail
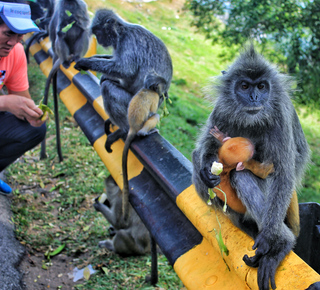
(162, 194)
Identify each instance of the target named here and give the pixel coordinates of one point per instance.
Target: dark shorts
(17, 137)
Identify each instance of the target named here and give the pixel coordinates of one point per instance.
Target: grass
(53, 201)
(310, 121)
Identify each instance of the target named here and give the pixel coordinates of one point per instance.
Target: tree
(291, 26)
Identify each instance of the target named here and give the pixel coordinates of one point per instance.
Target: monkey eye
(261, 86)
(244, 86)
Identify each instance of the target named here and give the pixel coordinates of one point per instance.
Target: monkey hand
(97, 205)
(270, 251)
(209, 179)
(107, 145)
(82, 64)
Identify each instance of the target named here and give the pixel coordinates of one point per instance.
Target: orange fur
(233, 151)
(239, 149)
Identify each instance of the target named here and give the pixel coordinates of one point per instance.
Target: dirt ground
(59, 270)
(57, 275)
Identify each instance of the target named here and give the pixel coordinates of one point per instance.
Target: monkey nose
(253, 98)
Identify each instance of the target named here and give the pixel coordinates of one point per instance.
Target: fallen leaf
(86, 273)
(105, 270)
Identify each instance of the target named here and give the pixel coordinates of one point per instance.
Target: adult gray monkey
(254, 102)
(131, 237)
(42, 23)
(137, 53)
(69, 32)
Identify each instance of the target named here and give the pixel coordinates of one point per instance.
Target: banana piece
(46, 111)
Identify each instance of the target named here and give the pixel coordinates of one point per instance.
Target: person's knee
(42, 130)
(37, 134)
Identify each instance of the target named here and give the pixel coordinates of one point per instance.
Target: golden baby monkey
(142, 118)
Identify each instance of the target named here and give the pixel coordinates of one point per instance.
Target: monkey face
(252, 94)
(105, 27)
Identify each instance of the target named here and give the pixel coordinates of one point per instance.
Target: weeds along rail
(162, 194)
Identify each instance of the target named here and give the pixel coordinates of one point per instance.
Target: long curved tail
(125, 190)
(54, 69)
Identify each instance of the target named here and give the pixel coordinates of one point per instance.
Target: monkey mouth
(253, 110)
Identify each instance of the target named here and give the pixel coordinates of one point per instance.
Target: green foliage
(310, 121)
(292, 26)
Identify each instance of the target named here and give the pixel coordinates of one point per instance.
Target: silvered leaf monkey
(253, 101)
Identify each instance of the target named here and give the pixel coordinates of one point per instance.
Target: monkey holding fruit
(236, 153)
(253, 100)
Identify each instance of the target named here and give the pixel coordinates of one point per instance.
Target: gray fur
(137, 53)
(278, 138)
(71, 45)
(68, 44)
(48, 7)
(131, 236)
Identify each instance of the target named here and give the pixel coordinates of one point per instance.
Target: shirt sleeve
(18, 79)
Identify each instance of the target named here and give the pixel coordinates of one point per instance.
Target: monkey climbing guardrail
(162, 193)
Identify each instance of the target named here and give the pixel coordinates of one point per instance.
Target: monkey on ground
(136, 53)
(253, 101)
(131, 237)
(142, 118)
(236, 153)
(69, 32)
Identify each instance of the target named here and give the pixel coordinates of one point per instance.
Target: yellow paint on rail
(113, 160)
(203, 268)
(98, 106)
(72, 98)
(35, 48)
(293, 272)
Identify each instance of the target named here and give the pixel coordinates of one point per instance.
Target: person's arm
(22, 106)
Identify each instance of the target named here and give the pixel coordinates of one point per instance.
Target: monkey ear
(108, 22)
(224, 72)
(240, 166)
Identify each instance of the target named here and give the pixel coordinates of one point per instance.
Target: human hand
(38, 122)
(24, 109)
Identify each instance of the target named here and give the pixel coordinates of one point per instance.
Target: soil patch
(57, 276)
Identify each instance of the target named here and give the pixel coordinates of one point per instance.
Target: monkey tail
(54, 69)
(125, 190)
(37, 36)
